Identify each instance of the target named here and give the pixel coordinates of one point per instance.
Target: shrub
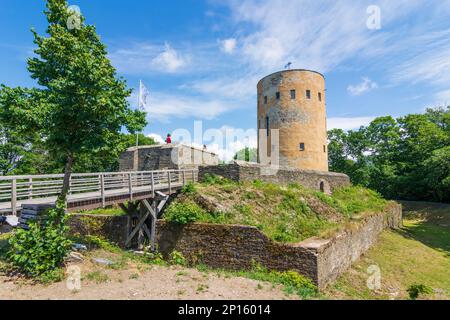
(42, 249)
(153, 258)
(212, 179)
(416, 290)
(177, 258)
(258, 184)
(189, 188)
(97, 242)
(294, 281)
(183, 212)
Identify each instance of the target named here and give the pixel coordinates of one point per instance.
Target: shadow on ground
(428, 223)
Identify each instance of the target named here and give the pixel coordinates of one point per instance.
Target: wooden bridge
(90, 191)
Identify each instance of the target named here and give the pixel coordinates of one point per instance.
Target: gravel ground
(143, 282)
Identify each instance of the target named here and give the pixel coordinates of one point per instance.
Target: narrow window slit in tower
(302, 147)
(278, 95)
(268, 126)
(265, 100)
(320, 96)
(308, 94)
(293, 94)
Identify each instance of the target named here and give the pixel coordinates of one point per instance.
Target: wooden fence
(17, 190)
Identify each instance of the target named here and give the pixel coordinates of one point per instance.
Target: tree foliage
(247, 154)
(80, 108)
(405, 158)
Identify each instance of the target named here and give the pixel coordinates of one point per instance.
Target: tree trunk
(67, 175)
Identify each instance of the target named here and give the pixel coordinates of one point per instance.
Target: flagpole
(139, 107)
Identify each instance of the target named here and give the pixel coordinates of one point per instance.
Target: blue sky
(201, 60)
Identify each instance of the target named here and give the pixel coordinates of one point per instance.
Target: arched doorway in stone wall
(324, 186)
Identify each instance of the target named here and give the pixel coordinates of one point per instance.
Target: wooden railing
(17, 189)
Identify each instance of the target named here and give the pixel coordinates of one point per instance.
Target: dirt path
(154, 283)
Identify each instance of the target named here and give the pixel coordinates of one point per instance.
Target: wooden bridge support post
(153, 185)
(30, 188)
(14, 197)
(149, 214)
(169, 182)
(102, 189)
(130, 186)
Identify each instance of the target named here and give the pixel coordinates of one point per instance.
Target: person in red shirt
(169, 139)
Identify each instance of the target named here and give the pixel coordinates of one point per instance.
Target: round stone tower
(293, 101)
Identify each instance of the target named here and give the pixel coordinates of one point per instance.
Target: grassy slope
(418, 254)
(286, 214)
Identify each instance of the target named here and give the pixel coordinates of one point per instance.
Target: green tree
(339, 156)
(21, 150)
(437, 175)
(130, 140)
(82, 101)
(405, 158)
(108, 160)
(247, 154)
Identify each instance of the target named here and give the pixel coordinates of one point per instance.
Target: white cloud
(225, 151)
(169, 60)
(431, 65)
(164, 106)
(324, 35)
(228, 45)
(157, 138)
(225, 141)
(243, 88)
(310, 34)
(365, 86)
(349, 123)
(442, 98)
(142, 58)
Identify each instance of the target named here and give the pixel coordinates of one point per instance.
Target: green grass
(353, 200)
(97, 277)
(114, 211)
(287, 214)
(429, 223)
(414, 257)
(291, 281)
(433, 236)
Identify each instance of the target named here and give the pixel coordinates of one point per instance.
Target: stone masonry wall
(299, 119)
(164, 157)
(112, 228)
(235, 247)
(241, 171)
(338, 254)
